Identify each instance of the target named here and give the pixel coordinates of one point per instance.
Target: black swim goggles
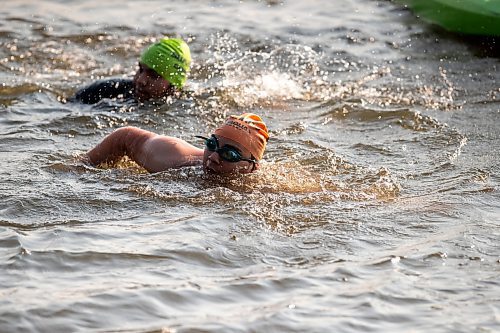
(227, 153)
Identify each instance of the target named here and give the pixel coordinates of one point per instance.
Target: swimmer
(234, 147)
(163, 70)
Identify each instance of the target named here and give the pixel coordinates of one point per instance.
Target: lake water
(376, 208)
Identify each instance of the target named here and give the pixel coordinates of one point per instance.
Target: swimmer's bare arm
(151, 151)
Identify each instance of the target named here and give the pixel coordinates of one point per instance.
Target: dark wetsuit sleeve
(112, 88)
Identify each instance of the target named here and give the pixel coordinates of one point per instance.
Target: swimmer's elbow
(127, 140)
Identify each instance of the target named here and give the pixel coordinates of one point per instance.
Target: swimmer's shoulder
(107, 88)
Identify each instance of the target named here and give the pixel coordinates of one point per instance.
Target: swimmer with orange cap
(163, 70)
(234, 147)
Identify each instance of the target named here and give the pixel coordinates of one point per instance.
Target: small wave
(262, 77)
(270, 77)
(287, 195)
(291, 196)
(358, 112)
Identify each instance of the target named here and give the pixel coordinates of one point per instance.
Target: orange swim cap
(248, 130)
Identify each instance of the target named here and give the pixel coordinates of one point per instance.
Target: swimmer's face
(217, 152)
(150, 85)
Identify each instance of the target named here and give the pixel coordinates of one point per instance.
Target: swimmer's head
(236, 146)
(162, 66)
(170, 58)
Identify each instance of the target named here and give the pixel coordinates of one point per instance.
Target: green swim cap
(170, 58)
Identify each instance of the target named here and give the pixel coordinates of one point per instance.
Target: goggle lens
(211, 144)
(227, 153)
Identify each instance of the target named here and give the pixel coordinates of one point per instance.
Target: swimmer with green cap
(163, 70)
